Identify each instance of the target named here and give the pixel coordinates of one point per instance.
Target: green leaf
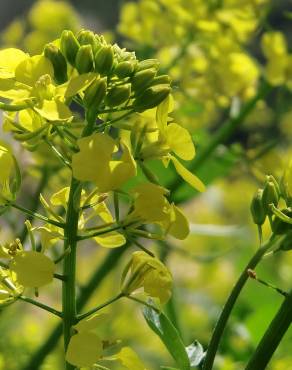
(195, 353)
(170, 337)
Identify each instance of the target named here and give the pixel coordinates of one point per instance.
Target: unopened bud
(84, 59)
(163, 79)
(279, 226)
(143, 79)
(118, 95)
(104, 60)
(58, 61)
(69, 46)
(124, 69)
(95, 93)
(257, 210)
(148, 63)
(151, 97)
(270, 196)
(86, 37)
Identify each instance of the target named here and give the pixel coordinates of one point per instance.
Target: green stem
(37, 215)
(143, 303)
(225, 131)
(15, 107)
(272, 337)
(100, 232)
(69, 264)
(227, 309)
(98, 308)
(41, 305)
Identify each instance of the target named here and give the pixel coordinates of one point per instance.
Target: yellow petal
(54, 110)
(84, 349)
(79, 83)
(60, 198)
(110, 240)
(179, 228)
(91, 323)
(31, 69)
(33, 269)
(180, 141)
(189, 177)
(129, 359)
(9, 60)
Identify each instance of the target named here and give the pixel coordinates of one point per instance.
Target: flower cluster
(212, 66)
(103, 114)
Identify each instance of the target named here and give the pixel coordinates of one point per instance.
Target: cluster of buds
(121, 77)
(274, 202)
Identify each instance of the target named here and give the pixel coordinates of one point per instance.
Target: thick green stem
(69, 266)
(222, 321)
(272, 337)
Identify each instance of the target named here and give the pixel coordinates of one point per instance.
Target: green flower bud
(104, 60)
(118, 95)
(84, 59)
(124, 69)
(58, 61)
(270, 196)
(143, 79)
(279, 226)
(69, 46)
(257, 210)
(148, 63)
(160, 80)
(95, 93)
(272, 179)
(151, 97)
(86, 37)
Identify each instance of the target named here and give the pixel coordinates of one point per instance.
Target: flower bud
(104, 60)
(279, 226)
(58, 61)
(147, 272)
(124, 69)
(95, 93)
(151, 97)
(148, 63)
(84, 59)
(69, 46)
(118, 95)
(163, 79)
(257, 210)
(86, 37)
(270, 196)
(143, 79)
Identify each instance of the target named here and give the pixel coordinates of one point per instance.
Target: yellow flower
(151, 274)
(152, 206)
(33, 269)
(94, 162)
